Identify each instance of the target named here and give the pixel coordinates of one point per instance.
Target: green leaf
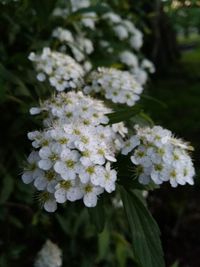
(44, 8)
(63, 224)
(122, 114)
(142, 119)
(176, 264)
(9, 76)
(144, 231)
(97, 216)
(99, 8)
(7, 188)
(103, 244)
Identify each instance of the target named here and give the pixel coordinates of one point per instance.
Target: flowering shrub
(94, 145)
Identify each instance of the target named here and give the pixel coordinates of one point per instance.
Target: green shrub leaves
(144, 231)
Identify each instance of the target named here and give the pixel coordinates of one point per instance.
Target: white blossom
(118, 86)
(63, 72)
(75, 150)
(159, 157)
(31, 171)
(49, 256)
(128, 58)
(63, 35)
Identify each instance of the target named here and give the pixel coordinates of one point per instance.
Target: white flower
(67, 165)
(49, 256)
(63, 35)
(140, 75)
(35, 110)
(108, 178)
(130, 144)
(31, 172)
(112, 17)
(90, 194)
(136, 40)
(88, 173)
(47, 181)
(49, 155)
(89, 19)
(121, 32)
(48, 201)
(39, 139)
(68, 190)
(41, 77)
(128, 58)
(120, 128)
(147, 64)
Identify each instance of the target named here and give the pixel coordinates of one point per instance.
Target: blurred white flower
(49, 256)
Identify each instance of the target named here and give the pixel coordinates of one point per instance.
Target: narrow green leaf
(7, 189)
(99, 8)
(142, 119)
(122, 114)
(144, 231)
(176, 264)
(103, 244)
(9, 76)
(63, 224)
(97, 216)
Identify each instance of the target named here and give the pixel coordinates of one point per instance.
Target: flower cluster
(63, 72)
(125, 29)
(79, 46)
(118, 86)
(73, 107)
(72, 156)
(160, 157)
(49, 256)
(129, 37)
(87, 19)
(139, 70)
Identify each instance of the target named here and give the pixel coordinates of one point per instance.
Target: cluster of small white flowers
(72, 107)
(63, 35)
(125, 30)
(118, 86)
(87, 19)
(138, 69)
(84, 45)
(148, 65)
(128, 58)
(72, 156)
(63, 72)
(160, 157)
(79, 46)
(49, 256)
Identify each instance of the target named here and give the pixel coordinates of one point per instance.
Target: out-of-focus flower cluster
(87, 19)
(127, 35)
(159, 157)
(80, 47)
(118, 86)
(72, 156)
(62, 71)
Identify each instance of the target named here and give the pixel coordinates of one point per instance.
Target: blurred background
(172, 42)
